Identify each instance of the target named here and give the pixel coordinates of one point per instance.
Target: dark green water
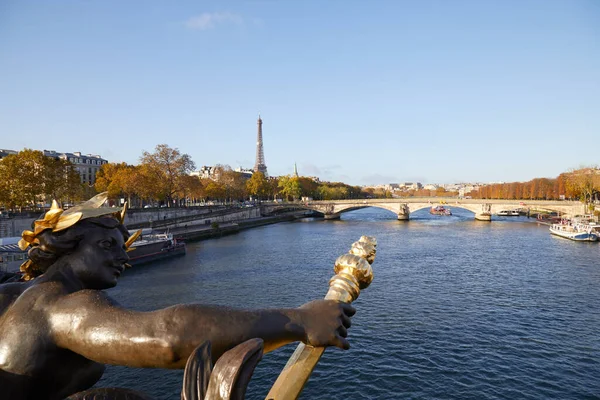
(458, 309)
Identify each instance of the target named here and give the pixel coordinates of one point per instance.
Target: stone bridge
(483, 208)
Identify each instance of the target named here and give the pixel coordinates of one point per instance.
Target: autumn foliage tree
(581, 184)
(170, 165)
(584, 183)
(258, 186)
(29, 178)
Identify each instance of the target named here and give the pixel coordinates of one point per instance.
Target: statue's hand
(326, 323)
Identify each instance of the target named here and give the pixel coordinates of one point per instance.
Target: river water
(458, 309)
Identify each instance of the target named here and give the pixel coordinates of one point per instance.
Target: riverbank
(215, 230)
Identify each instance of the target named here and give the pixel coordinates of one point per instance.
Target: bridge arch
(483, 209)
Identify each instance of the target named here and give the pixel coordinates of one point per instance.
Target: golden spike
(55, 205)
(123, 211)
(132, 239)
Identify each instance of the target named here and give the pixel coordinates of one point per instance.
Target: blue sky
(362, 92)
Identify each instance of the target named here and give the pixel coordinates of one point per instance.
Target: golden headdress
(58, 220)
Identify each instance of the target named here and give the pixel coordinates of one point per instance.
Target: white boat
(575, 231)
(508, 213)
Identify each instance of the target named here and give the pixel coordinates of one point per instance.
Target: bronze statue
(59, 328)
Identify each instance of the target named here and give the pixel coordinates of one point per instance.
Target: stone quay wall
(150, 218)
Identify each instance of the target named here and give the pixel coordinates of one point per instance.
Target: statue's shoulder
(87, 298)
(33, 294)
(9, 292)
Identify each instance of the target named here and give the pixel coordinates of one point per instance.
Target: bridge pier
(485, 214)
(404, 212)
(331, 216)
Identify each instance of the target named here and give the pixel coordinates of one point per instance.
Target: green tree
(289, 187)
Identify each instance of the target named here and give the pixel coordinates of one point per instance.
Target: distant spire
(295, 170)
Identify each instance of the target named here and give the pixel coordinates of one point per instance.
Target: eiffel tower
(260, 165)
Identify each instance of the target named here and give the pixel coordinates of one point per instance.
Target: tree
(150, 184)
(308, 187)
(258, 185)
(584, 183)
(215, 190)
(191, 188)
(234, 184)
(10, 182)
(289, 187)
(109, 179)
(29, 178)
(61, 181)
(171, 164)
(273, 186)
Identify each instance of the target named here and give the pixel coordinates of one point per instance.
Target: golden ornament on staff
(353, 272)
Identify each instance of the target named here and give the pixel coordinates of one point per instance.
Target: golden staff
(353, 272)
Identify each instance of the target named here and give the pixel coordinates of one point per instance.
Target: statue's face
(100, 258)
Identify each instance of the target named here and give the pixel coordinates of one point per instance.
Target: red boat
(440, 210)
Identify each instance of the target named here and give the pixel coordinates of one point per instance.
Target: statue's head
(92, 237)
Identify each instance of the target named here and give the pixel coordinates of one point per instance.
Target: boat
(440, 210)
(154, 246)
(590, 220)
(580, 232)
(11, 256)
(509, 213)
(149, 247)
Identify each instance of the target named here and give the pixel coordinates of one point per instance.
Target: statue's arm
(91, 324)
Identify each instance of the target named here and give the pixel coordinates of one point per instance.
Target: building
(207, 172)
(430, 186)
(4, 153)
(86, 165)
(246, 173)
(410, 186)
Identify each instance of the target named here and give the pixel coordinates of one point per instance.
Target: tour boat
(149, 247)
(440, 210)
(11, 256)
(154, 246)
(508, 213)
(575, 231)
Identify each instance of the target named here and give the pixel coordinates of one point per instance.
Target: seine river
(458, 309)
